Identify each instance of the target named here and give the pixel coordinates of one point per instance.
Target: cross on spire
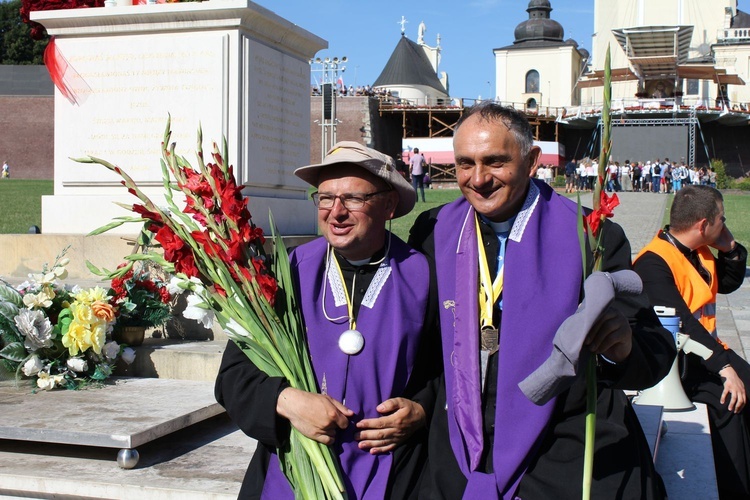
(402, 22)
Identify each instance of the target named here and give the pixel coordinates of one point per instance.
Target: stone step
(64, 444)
(176, 359)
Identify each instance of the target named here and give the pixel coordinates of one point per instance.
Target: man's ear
(390, 204)
(533, 159)
(702, 225)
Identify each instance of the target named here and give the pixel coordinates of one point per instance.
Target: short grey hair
(513, 119)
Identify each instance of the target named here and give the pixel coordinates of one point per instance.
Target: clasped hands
(319, 417)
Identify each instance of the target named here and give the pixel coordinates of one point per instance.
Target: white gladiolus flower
(32, 366)
(176, 286)
(111, 350)
(35, 326)
(128, 355)
(199, 311)
(234, 328)
(77, 364)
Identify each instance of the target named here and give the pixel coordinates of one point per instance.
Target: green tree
(722, 180)
(16, 45)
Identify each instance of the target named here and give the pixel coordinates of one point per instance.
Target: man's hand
(611, 336)
(725, 242)
(403, 418)
(734, 388)
(314, 415)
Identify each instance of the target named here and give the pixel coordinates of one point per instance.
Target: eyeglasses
(354, 201)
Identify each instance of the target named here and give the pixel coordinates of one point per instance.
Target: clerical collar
(503, 227)
(666, 235)
(376, 257)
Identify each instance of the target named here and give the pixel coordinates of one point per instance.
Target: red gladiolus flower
(147, 214)
(606, 208)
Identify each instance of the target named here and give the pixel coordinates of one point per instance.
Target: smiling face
(492, 171)
(356, 234)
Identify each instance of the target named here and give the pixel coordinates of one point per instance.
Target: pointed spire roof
(409, 65)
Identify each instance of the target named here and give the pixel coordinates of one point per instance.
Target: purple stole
(542, 283)
(391, 323)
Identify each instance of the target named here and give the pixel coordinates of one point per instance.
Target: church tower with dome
(540, 68)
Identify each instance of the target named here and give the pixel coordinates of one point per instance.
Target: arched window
(531, 103)
(532, 82)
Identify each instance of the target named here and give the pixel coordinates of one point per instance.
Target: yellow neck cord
(349, 305)
(490, 291)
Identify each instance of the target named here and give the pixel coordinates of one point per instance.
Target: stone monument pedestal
(231, 66)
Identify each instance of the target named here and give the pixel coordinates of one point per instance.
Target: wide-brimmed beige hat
(373, 161)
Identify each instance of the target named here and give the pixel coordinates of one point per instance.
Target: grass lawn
(737, 212)
(435, 198)
(21, 208)
(21, 204)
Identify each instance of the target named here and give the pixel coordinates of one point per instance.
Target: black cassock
(730, 432)
(623, 465)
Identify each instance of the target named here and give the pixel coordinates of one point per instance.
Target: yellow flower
(82, 312)
(77, 338)
(92, 295)
(98, 336)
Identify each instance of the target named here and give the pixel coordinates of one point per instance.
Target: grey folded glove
(560, 370)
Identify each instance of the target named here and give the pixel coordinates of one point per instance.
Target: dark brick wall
(359, 121)
(25, 80)
(27, 138)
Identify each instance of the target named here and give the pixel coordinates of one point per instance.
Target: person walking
(416, 170)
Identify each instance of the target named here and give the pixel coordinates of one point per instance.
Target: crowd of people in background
(344, 91)
(658, 176)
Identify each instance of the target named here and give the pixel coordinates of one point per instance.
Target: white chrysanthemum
(32, 366)
(37, 329)
(199, 311)
(78, 365)
(128, 355)
(111, 350)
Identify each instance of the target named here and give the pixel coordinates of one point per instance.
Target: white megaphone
(669, 393)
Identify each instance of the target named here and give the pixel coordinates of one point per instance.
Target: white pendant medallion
(351, 342)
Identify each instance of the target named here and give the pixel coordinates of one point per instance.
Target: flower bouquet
(138, 295)
(216, 252)
(56, 335)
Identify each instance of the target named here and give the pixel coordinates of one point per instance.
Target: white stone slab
(125, 414)
(650, 418)
(685, 461)
(206, 461)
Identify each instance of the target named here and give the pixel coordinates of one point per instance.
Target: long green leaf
(14, 352)
(10, 295)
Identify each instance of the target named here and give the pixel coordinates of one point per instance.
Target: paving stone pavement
(641, 216)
